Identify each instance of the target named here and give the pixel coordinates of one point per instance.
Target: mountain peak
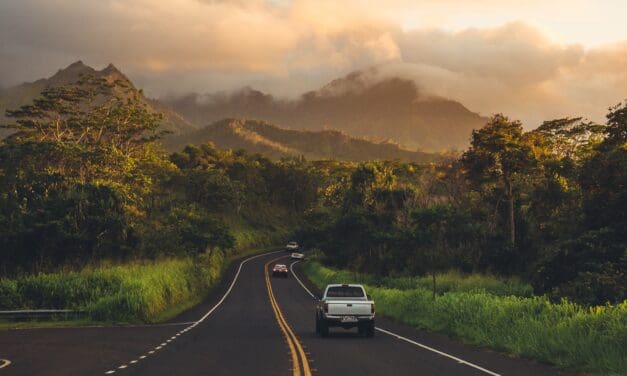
(110, 69)
(77, 64)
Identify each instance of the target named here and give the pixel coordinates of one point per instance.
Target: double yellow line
(298, 354)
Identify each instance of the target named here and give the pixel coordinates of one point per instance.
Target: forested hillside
(83, 179)
(269, 140)
(547, 205)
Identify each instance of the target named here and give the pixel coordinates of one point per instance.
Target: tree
(498, 155)
(587, 264)
(92, 112)
(73, 183)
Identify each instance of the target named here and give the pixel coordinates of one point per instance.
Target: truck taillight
(326, 307)
(372, 309)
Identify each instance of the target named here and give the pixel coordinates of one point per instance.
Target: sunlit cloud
(490, 55)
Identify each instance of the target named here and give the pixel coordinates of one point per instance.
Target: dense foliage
(83, 179)
(548, 205)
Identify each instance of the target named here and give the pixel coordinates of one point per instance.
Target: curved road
(251, 325)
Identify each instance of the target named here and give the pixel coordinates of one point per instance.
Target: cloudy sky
(531, 59)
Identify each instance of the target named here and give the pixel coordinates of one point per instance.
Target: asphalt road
(250, 325)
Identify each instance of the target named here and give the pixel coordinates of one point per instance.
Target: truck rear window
(345, 292)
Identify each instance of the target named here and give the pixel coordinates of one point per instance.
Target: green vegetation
(261, 137)
(82, 180)
(548, 206)
(122, 293)
(451, 281)
(566, 334)
(95, 216)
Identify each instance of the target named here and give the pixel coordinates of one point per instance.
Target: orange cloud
(288, 47)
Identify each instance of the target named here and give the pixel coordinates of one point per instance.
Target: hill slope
(14, 97)
(274, 142)
(361, 104)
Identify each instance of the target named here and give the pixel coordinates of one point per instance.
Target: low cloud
(515, 69)
(288, 47)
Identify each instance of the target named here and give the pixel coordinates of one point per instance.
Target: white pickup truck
(345, 306)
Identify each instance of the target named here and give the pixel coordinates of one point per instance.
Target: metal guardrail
(31, 314)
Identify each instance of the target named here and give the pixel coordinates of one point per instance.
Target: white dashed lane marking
(194, 323)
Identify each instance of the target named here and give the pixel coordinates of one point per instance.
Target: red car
(280, 270)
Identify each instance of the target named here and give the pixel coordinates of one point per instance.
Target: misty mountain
(261, 137)
(14, 97)
(360, 104)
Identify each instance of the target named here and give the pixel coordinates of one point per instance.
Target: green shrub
(9, 296)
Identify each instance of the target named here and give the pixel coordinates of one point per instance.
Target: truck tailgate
(349, 307)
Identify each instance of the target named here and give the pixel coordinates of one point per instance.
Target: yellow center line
(295, 347)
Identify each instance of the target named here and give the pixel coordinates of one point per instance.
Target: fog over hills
(362, 104)
(358, 117)
(261, 137)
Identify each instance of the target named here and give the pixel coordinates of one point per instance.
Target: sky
(532, 60)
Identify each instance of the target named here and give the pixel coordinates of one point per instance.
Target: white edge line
(226, 294)
(239, 269)
(4, 363)
(298, 279)
(404, 338)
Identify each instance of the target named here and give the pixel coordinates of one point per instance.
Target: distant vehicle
(280, 270)
(297, 256)
(292, 246)
(345, 306)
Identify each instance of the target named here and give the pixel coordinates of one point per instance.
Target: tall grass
(590, 339)
(129, 293)
(141, 291)
(451, 281)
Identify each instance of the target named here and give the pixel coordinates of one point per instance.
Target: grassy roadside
(565, 334)
(138, 292)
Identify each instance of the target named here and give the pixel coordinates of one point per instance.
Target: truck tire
(370, 330)
(324, 328)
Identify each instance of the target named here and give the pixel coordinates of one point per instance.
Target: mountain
(261, 137)
(14, 97)
(362, 104)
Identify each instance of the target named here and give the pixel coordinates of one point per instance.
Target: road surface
(251, 325)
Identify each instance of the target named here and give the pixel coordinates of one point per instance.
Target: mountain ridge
(258, 136)
(362, 104)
